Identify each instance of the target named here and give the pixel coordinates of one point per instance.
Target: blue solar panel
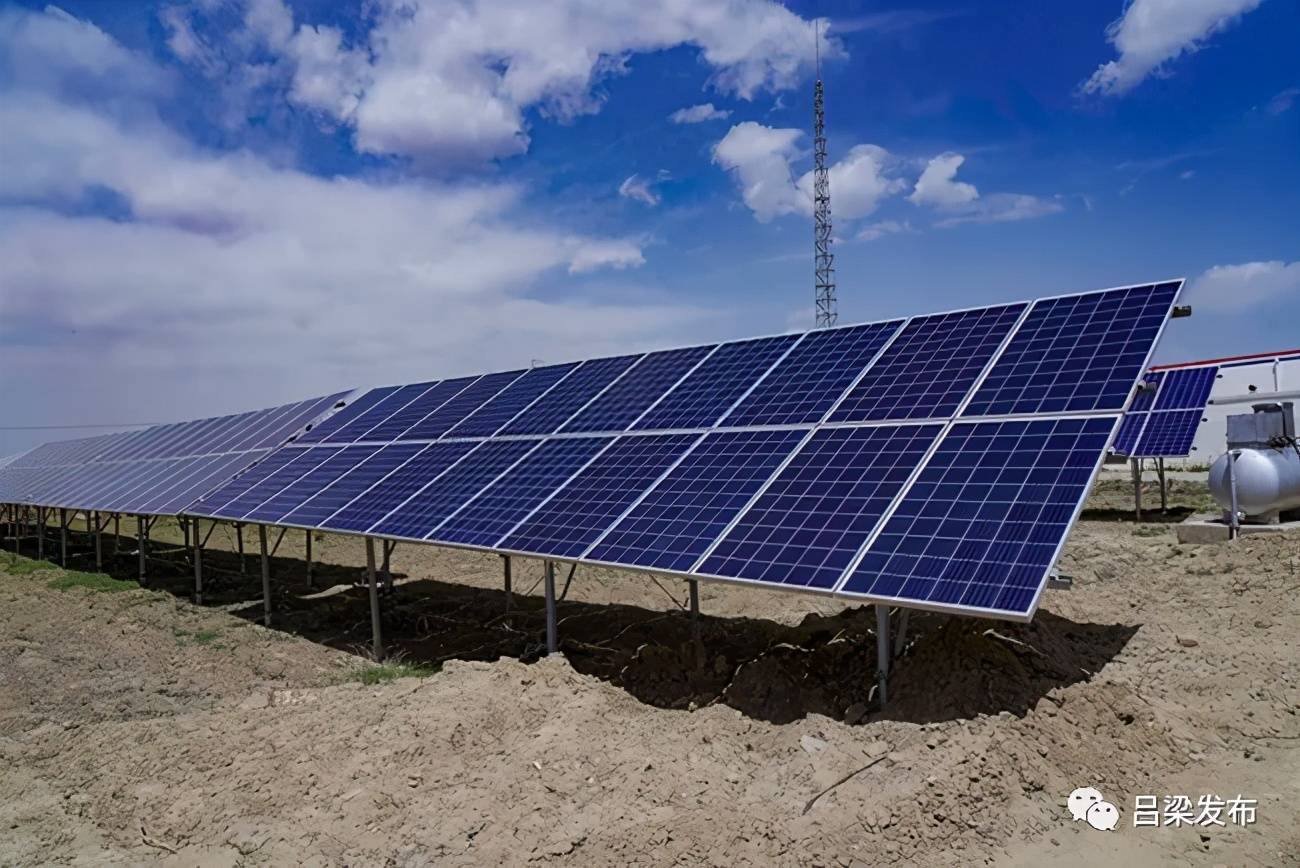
(567, 524)
(808, 381)
(712, 388)
(304, 487)
(550, 411)
(165, 488)
(488, 517)
(417, 408)
(1168, 434)
(486, 420)
(629, 397)
(1186, 389)
(930, 367)
(351, 412)
(304, 461)
(985, 519)
(381, 499)
(141, 479)
(215, 473)
(1081, 352)
(806, 527)
(209, 503)
(1146, 396)
(1130, 430)
(351, 485)
(391, 403)
(681, 516)
(427, 508)
(449, 414)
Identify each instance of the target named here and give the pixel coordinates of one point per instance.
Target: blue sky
(215, 205)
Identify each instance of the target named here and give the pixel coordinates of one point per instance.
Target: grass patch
(197, 637)
(91, 582)
(1148, 530)
(381, 673)
(17, 565)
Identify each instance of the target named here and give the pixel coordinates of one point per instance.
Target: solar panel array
(936, 462)
(1163, 418)
(158, 470)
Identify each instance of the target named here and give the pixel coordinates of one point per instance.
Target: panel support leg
(552, 636)
(311, 581)
(900, 640)
(40, 533)
(198, 566)
(185, 533)
(1164, 492)
(239, 542)
(376, 628)
(508, 581)
(117, 533)
(882, 653)
(141, 531)
(266, 576)
(389, 547)
(99, 545)
(697, 638)
(1137, 487)
(63, 537)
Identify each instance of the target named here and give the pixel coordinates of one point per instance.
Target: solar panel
(807, 525)
(455, 410)
(550, 411)
(1076, 353)
(1186, 389)
(712, 388)
(420, 406)
(486, 420)
(1146, 396)
(1130, 430)
(380, 410)
(492, 513)
(255, 475)
(579, 512)
(331, 498)
(304, 461)
(983, 523)
(348, 414)
(381, 498)
(684, 513)
(808, 381)
(930, 366)
(632, 394)
(298, 492)
(1168, 434)
(429, 506)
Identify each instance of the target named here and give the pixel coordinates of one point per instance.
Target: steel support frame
(266, 576)
(882, 653)
(376, 625)
(552, 629)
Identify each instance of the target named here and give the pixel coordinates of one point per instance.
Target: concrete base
(1211, 528)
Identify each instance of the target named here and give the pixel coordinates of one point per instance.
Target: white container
(1268, 481)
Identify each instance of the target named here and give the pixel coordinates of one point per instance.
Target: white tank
(1268, 480)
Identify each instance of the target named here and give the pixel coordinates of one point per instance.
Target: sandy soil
(138, 728)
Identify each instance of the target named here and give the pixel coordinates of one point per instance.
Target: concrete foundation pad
(1211, 528)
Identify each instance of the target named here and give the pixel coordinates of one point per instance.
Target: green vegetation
(16, 565)
(197, 637)
(380, 673)
(91, 582)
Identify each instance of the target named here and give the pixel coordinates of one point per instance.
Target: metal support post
(696, 638)
(882, 653)
(389, 547)
(508, 580)
(266, 576)
(376, 630)
(239, 540)
(1137, 487)
(141, 529)
(40, 533)
(63, 537)
(117, 533)
(99, 545)
(185, 532)
(900, 640)
(311, 582)
(552, 637)
(1234, 521)
(198, 566)
(1164, 494)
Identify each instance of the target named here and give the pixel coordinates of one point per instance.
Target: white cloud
(228, 279)
(759, 158)
(881, 228)
(1151, 33)
(937, 185)
(1250, 284)
(449, 81)
(638, 188)
(1283, 100)
(698, 114)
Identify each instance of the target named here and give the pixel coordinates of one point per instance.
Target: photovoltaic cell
(806, 527)
(709, 390)
(362, 513)
(421, 406)
(1146, 396)
(568, 523)
(485, 421)
(808, 381)
(1168, 434)
(348, 414)
(391, 403)
(1081, 352)
(305, 460)
(209, 503)
(550, 411)
(498, 508)
(982, 524)
(681, 516)
(629, 397)
(222, 469)
(352, 484)
(474, 396)
(428, 507)
(304, 487)
(1186, 389)
(1130, 430)
(930, 367)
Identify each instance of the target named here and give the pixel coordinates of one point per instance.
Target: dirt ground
(138, 728)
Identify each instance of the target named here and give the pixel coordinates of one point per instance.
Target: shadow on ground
(767, 670)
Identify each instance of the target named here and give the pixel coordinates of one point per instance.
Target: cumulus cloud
(1228, 287)
(698, 114)
(216, 279)
(938, 185)
(638, 188)
(1151, 33)
(881, 228)
(449, 81)
(760, 157)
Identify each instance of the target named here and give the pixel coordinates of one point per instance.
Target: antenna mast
(824, 260)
